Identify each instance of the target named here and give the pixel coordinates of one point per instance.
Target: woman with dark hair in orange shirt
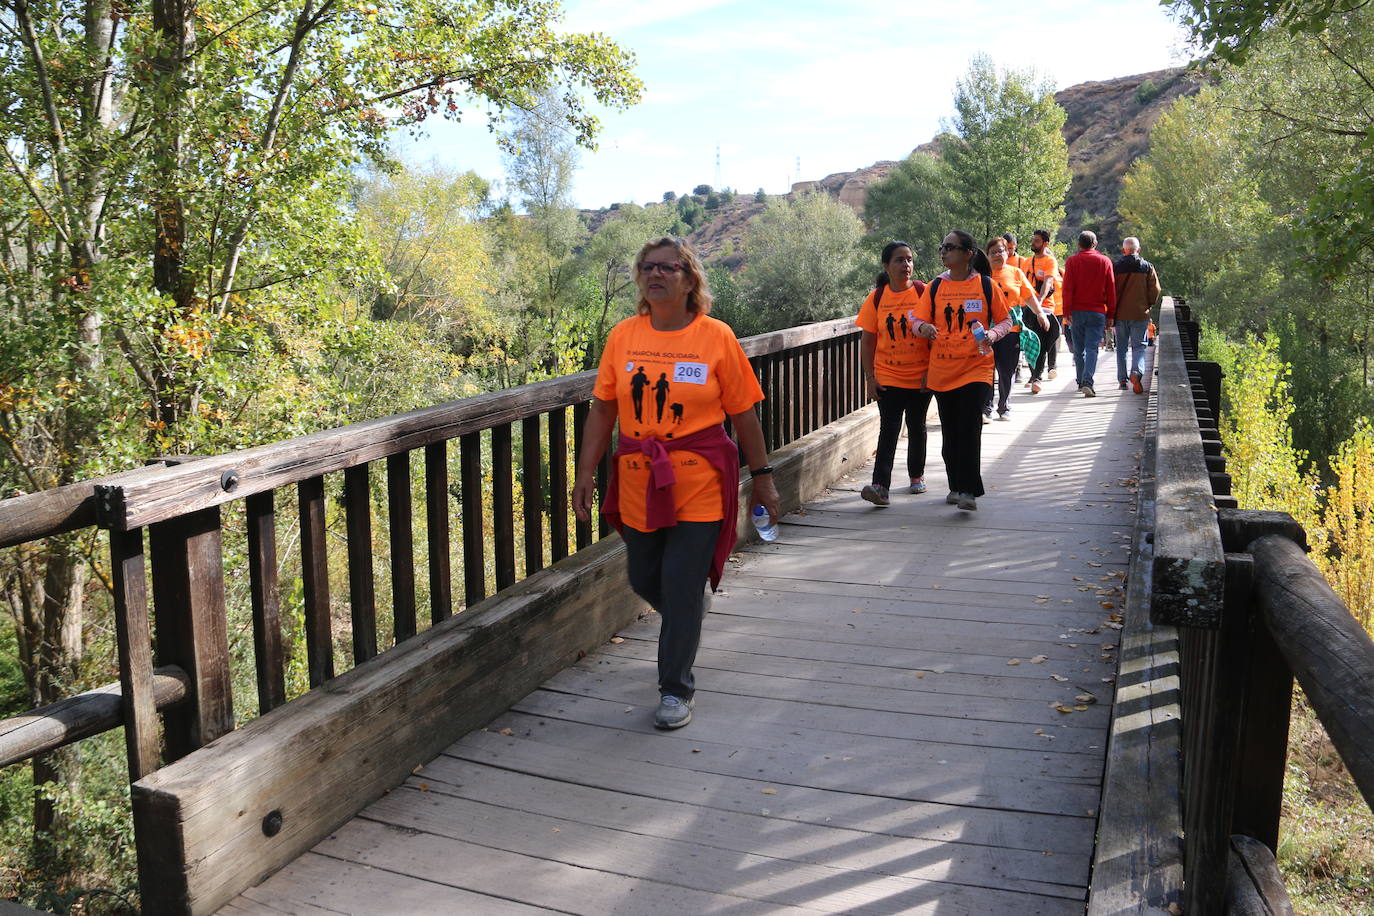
(894, 361)
(956, 307)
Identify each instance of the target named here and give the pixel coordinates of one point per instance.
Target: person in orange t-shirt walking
(1043, 269)
(955, 308)
(1016, 290)
(674, 487)
(895, 360)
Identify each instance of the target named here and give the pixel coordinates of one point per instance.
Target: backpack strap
(878, 296)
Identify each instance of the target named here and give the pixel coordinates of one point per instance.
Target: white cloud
(621, 15)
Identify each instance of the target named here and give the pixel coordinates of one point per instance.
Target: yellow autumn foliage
(1267, 473)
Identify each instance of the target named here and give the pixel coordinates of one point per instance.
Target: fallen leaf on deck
(1059, 677)
(1014, 661)
(1108, 604)
(1046, 597)
(617, 639)
(1063, 709)
(1039, 659)
(1039, 731)
(1086, 698)
(1094, 563)
(920, 674)
(506, 731)
(769, 791)
(1078, 578)
(936, 585)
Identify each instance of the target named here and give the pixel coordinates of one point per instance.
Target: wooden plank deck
(875, 728)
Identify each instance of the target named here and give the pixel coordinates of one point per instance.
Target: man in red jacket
(1089, 291)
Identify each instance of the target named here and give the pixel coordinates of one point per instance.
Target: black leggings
(894, 404)
(668, 569)
(961, 429)
(1049, 347)
(1006, 354)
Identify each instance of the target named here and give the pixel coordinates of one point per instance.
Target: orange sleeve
(868, 316)
(739, 386)
(604, 389)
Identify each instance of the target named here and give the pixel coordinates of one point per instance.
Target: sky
(795, 91)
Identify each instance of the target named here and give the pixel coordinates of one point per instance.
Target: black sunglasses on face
(947, 247)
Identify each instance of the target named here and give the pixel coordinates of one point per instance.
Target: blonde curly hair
(699, 299)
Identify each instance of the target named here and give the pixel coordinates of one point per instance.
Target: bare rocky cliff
(1108, 128)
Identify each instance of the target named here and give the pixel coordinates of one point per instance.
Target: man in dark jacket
(1137, 290)
(1089, 306)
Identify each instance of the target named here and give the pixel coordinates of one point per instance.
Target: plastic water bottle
(767, 530)
(980, 335)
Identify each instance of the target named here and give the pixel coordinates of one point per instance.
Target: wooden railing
(1236, 610)
(179, 698)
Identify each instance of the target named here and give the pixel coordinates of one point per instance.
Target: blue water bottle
(980, 335)
(767, 530)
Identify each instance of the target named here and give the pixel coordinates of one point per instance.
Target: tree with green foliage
(1005, 148)
(914, 203)
(607, 261)
(175, 235)
(802, 255)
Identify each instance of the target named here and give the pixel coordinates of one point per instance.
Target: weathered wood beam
(1189, 565)
(91, 713)
(1328, 651)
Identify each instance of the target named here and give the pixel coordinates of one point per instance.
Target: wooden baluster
(796, 383)
(582, 529)
(400, 518)
(188, 593)
(774, 393)
(558, 483)
(603, 480)
(532, 490)
(438, 532)
(503, 505)
(261, 521)
(319, 636)
(474, 548)
(142, 740)
(362, 596)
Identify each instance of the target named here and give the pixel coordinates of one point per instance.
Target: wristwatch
(766, 469)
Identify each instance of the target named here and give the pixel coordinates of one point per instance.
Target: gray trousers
(668, 569)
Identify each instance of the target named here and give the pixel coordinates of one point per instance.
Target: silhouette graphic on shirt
(891, 327)
(949, 319)
(638, 382)
(661, 393)
(677, 413)
(904, 325)
(961, 319)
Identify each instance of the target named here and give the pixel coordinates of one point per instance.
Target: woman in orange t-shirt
(671, 375)
(955, 306)
(1016, 290)
(895, 360)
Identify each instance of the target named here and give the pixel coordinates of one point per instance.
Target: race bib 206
(690, 373)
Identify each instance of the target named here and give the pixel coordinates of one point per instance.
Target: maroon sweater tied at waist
(720, 452)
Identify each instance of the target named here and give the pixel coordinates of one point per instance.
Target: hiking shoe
(953, 497)
(1035, 387)
(918, 485)
(672, 712)
(876, 494)
(987, 418)
(1054, 373)
(1004, 415)
(1135, 383)
(1087, 391)
(1122, 384)
(967, 502)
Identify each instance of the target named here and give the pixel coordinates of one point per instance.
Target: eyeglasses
(660, 267)
(948, 247)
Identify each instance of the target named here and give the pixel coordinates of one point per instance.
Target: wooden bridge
(910, 709)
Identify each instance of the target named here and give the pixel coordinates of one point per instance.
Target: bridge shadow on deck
(878, 726)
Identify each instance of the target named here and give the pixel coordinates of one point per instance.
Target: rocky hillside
(1108, 127)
